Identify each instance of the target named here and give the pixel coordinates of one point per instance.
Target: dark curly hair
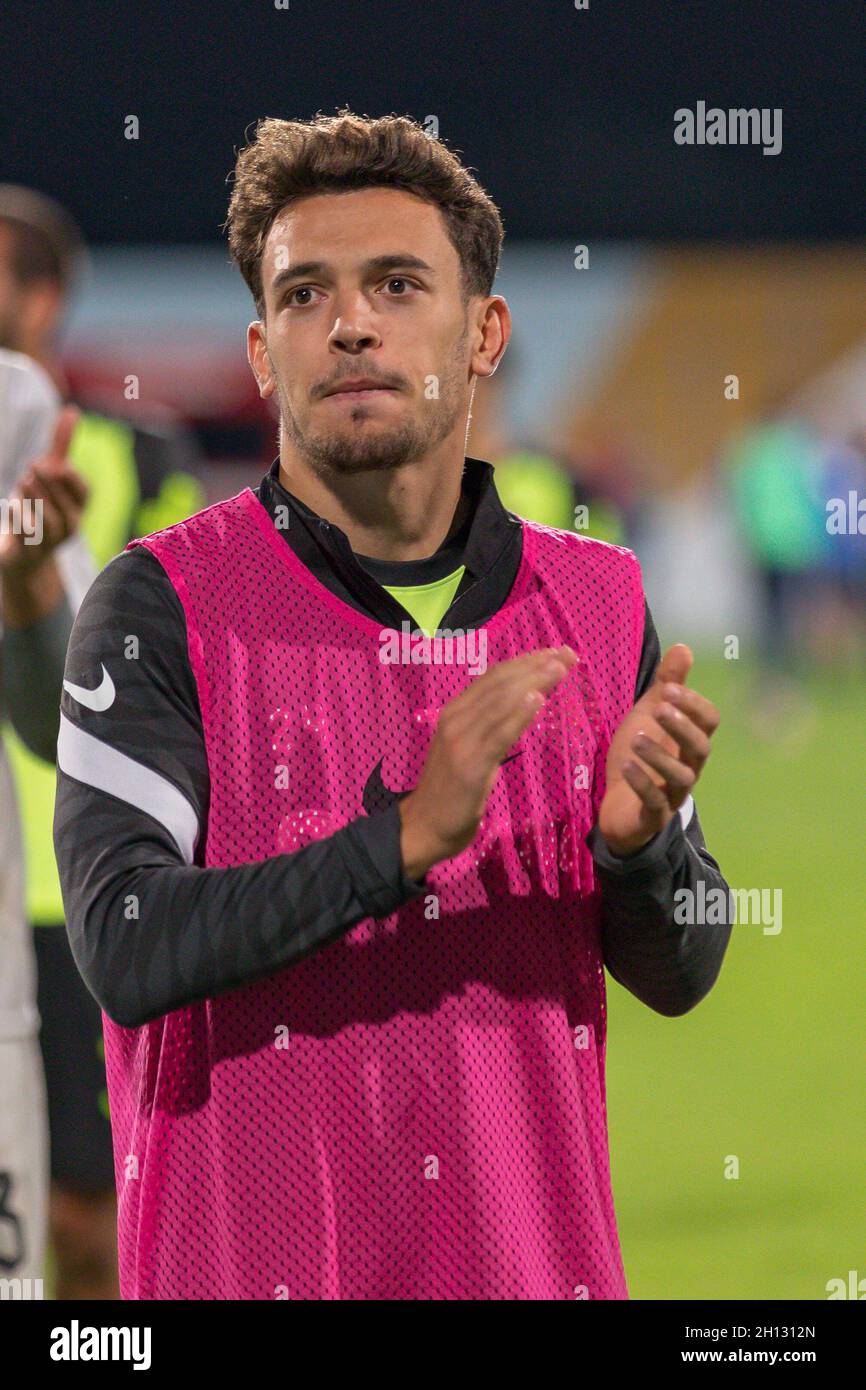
(287, 160)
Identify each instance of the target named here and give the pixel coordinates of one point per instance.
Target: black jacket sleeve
(150, 928)
(667, 964)
(32, 672)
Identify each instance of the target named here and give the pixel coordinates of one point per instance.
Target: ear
(259, 360)
(495, 329)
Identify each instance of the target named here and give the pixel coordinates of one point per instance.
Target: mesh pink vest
(416, 1111)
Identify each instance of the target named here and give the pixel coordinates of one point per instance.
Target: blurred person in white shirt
(44, 570)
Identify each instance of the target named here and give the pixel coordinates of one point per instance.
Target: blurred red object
(208, 388)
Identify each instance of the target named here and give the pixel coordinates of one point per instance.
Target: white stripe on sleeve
(97, 764)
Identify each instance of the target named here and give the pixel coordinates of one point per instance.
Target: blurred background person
(35, 623)
(570, 491)
(530, 481)
(141, 477)
(776, 482)
(842, 465)
(533, 484)
(585, 490)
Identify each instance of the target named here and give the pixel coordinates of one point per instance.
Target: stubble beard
(353, 449)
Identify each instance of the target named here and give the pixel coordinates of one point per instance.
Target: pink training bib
(416, 1111)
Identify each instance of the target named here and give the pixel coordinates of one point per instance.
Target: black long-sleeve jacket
(153, 930)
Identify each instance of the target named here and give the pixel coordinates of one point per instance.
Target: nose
(353, 330)
(352, 338)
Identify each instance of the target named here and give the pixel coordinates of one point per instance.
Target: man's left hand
(656, 756)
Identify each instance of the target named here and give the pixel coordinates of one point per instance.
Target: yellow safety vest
(103, 451)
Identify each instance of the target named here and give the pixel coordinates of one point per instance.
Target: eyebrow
(378, 264)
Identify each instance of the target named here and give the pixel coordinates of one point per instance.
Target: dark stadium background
(566, 113)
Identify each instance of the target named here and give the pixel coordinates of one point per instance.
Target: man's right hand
(475, 732)
(30, 581)
(52, 485)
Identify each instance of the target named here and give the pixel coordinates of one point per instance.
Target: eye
(300, 289)
(399, 280)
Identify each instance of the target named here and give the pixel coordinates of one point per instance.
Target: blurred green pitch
(771, 1066)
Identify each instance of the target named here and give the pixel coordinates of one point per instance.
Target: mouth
(362, 393)
(359, 389)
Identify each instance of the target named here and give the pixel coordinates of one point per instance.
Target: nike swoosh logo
(378, 797)
(100, 699)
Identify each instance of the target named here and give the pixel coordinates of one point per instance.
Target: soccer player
(139, 479)
(41, 499)
(344, 893)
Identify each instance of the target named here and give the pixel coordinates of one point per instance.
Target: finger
(485, 721)
(76, 487)
(650, 725)
(676, 774)
(25, 484)
(521, 670)
(67, 488)
(487, 699)
(693, 743)
(512, 709)
(542, 676)
(28, 487)
(515, 667)
(79, 489)
(46, 484)
(473, 758)
(59, 518)
(52, 528)
(652, 795)
(675, 664)
(64, 428)
(498, 745)
(696, 707)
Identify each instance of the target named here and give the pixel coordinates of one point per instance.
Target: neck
(403, 513)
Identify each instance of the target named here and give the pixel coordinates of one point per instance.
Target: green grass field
(771, 1066)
